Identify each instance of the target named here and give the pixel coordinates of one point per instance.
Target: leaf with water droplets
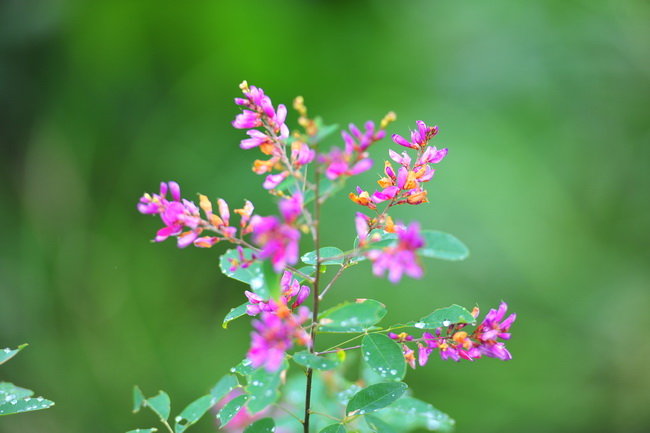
(358, 316)
(231, 409)
(265, 425)
(224, 386)
(334, 428)
(143, 430)
(439, 245)
(444, 317)
(7, 353)
(24, 405)
(411, 413)
(9, 391)
(193, 412)
(375, 397)
(316, 362)
(384, 356)
(160, 404)
(244, 368)
(234, 313)
(325, 252)
(252, 275)
(263, 388)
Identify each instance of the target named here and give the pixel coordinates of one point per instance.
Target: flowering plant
(287, 289)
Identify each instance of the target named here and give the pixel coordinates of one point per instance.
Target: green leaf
(307, 270)
(138, 399)
(244, 368)
(325, 252)
(224, 386)
(444, 317)
(384, 356)
(9, 391)
(193, 412)
(160, 404)
(358, 316)
(7, 353)
(378, 425)
(143, 430)
(253, 275)
(334, 428)
(439, 245)
(263, 388)
(375, 397)
(231, 409)
(234, 313)
(265, 425)
(323, 131)
(316, 362)
(410, 413)
(24, 405)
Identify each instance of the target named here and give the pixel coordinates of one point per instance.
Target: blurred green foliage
(543, 105)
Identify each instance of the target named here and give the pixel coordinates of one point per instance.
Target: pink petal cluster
(404, 185)
(177, 214)
(182, 217)
(291, 289)
(401, 258)
(457, 344)
(278, 239)
(353, 158)
(258, 112)
(275, 333)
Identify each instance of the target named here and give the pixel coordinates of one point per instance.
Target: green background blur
(543, 105)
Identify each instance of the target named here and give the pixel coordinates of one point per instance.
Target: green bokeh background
(543, 105)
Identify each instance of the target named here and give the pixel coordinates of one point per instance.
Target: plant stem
(316, 296)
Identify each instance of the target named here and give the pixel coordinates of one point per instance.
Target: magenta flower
(419, 138)
(177, 215)
(353, 159)
(400, 258)
(291, 289)
(291, 208)
(457, 344)
(278, 241)
(274, 334)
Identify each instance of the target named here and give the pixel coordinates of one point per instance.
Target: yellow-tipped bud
(205, 204)
(244, 86)
(388, 119)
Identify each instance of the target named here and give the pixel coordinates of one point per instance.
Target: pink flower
(291, 208)
(353, 159)
(278, 241)
(274, 334)
(400, 258)
(291, 289)
(419, 138)
(177, 215)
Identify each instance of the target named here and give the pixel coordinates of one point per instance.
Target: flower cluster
(353, 158)
(258, 112)
(290, 289)
(404, 186)
(456, 344)
(182, 217)
(277, 238)
(398, 259)
(275, 333)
